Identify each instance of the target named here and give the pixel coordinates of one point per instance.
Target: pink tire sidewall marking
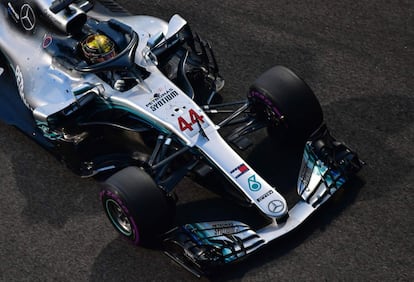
(265, 100)
(115, 197)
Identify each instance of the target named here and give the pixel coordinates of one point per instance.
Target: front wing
(200, 247)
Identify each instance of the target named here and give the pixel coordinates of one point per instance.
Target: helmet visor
(98, 48)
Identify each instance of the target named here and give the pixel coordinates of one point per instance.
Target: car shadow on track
(120, 261)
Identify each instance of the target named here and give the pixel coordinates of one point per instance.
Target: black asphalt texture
(358, 58)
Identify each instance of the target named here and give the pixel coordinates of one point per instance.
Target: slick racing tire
(287, 104)
(134, 204)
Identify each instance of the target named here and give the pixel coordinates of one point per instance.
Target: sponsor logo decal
(253, 184)
(224, 228)
(27, 17)
(276, 206)
(20, 84)
(264, 196)
(47, 40)
(239, 171)
(161, 99)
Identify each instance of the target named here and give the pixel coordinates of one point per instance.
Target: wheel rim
(267, 113)
(270, 115)
(118, 217)
(265, 109)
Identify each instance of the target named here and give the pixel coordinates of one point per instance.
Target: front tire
(286, 103)
(134, 204)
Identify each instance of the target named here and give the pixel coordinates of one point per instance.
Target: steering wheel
(123, 60)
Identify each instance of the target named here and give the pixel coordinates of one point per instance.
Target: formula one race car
(130, 100)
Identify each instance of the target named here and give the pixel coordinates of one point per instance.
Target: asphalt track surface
(358, 59)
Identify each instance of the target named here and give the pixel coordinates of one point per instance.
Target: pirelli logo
(264, 196)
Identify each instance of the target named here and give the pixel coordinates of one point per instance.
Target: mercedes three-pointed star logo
(27, 17)
(276, 206)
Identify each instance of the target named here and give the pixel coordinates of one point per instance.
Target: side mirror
(175, 25)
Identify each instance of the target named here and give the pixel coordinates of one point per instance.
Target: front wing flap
(327, 165)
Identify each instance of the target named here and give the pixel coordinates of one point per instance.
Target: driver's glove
(120, 85)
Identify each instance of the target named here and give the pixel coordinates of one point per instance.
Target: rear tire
(286, 103)
(134, 204)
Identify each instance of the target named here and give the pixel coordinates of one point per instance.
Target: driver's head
(98, 48)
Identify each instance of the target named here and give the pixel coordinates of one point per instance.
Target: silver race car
(134, 101)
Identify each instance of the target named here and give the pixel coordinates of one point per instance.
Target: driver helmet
(98, 48)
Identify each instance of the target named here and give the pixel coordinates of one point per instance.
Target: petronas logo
(253, 184)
